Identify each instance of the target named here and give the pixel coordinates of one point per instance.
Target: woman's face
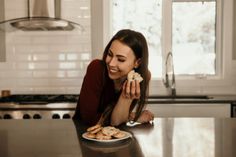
(120, 60)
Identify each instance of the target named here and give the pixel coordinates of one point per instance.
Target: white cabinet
(190, 109)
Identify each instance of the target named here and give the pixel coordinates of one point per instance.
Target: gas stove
(38, 106)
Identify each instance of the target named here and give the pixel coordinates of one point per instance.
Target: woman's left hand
(146, 116)
(131, 89)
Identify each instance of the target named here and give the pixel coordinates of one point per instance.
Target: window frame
(199, 85)
(167, 38)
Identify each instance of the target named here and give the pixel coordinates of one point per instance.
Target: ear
(137, 63)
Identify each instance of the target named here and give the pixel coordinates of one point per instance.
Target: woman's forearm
(120, 113)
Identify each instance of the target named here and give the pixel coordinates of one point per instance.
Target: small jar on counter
(5, 93)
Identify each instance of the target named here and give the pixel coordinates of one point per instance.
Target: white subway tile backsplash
(23, 74)
(55, 39)
(7, 83)
(61, 57)
(40, 74)
(72, 90)
(18, 39)
(63, 48)
(72, 57)
(66, 82)
(85, 56)
(6, 74)
(47, 62)
(75, 73)
(40, 57)
(21, 57)
(50, 90)
(78, 39)
(49, 74)
(7, 66)
(28, 48)
(67, 65)
(32, 82)
(58, 74)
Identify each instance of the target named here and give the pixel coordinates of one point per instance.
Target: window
(187, 28)
(197, 32)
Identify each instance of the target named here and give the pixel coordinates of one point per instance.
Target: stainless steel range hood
(43, 15)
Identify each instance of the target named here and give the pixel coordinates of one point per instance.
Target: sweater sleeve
(90, 94)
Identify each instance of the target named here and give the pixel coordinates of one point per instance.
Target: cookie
(90, 135)
(138, 77)
(96, 130)
(110, 131)
(120, 134)
(132, 75)
(101, 136)
(93, 127)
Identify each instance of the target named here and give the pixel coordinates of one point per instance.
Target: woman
(106, 96)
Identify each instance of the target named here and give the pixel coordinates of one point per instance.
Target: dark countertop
(195, 137)
(192, 99)
(53, 98)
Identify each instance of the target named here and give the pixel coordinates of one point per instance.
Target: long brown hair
(137, 42)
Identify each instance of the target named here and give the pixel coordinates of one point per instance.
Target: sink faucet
(169, 71)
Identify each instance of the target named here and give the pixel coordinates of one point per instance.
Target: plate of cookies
(105, 134)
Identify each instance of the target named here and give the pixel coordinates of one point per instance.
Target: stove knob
(56, 116)
(37, 116)
(66, 116)
(7, 116)
(26, 116)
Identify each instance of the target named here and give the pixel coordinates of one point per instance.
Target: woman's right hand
(131, 89)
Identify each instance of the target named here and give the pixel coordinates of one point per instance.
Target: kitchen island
(165, 137)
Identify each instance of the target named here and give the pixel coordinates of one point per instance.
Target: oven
(37, 111)
(38, 106)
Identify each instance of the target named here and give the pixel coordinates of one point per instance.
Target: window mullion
(166, 30)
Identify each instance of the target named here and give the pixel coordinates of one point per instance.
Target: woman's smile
(113, 72)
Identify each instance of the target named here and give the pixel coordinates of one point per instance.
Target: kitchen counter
(192, 99)
(59, 106)
(165, 137)
(54, 98)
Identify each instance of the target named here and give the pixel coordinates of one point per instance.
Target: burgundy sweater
(97, 92)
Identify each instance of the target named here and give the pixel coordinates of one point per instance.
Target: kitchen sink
(201, 97)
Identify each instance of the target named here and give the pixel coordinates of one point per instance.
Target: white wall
(47, 62)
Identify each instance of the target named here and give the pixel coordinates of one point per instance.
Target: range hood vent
(43, 15)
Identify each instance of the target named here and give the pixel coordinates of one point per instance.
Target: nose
(112, 62)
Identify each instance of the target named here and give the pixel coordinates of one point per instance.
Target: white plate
(127, 135)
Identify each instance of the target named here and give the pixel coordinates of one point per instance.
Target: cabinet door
(190, 110)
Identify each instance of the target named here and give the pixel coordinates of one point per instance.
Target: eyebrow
(121, 56)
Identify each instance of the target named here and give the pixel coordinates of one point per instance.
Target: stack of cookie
(104, 133)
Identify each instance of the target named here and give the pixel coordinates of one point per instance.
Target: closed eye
(121, 60)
